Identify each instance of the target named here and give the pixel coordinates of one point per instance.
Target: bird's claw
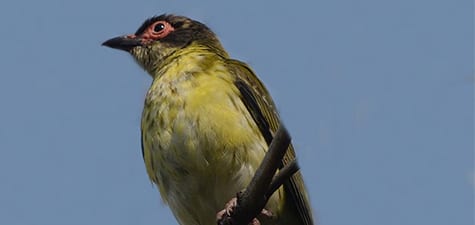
(229, 208)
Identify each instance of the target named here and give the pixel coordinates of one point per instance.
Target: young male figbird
(206, 124)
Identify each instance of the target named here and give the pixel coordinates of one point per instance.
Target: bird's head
(161, 36)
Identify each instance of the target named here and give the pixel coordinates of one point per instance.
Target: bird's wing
(262, 108)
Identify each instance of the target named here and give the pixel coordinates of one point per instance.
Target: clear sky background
(377, 94)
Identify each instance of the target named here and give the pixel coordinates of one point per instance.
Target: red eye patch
(157, 30)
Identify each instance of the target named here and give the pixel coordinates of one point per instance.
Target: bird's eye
(159, 27)
(158, 30)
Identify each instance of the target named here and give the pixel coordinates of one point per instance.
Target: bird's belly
(204, 148)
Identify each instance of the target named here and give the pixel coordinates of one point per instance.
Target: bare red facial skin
(151, 34)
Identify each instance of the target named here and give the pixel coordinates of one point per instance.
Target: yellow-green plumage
(206, 126)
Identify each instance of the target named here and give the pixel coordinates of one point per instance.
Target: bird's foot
(231, 205)
(228, 209)
(265, 214)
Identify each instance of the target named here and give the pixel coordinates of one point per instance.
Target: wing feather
(262, 108)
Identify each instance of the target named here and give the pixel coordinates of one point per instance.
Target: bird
(207, 123)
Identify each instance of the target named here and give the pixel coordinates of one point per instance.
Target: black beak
(125, 43)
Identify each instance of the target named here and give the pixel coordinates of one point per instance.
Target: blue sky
(378, 97)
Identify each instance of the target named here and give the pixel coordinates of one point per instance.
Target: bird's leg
(228, 209)
(232, 204)
(266, 213)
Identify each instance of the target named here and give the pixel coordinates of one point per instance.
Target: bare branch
(284, 174)
(251, 202)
